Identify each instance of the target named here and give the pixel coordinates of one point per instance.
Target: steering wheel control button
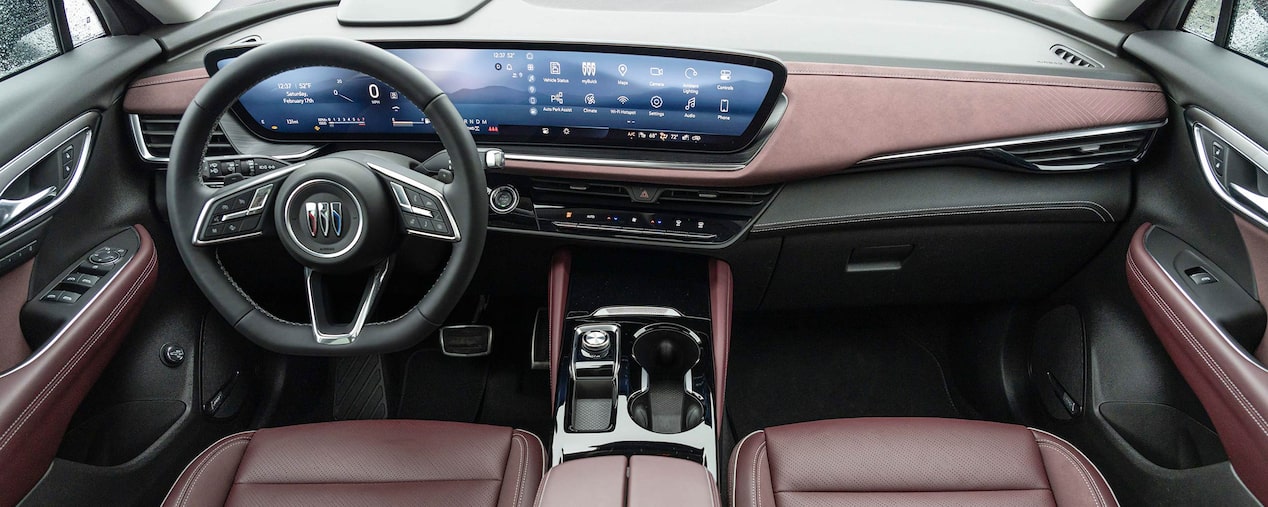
(504, 199)
(172, 355)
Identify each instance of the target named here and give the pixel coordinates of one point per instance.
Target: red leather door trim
(560, 267)
(1256, 241)
(721, 290)
(38, 399)
(1232, 387)
(14, 288)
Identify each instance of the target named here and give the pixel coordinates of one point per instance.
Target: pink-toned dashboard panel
(838, 115)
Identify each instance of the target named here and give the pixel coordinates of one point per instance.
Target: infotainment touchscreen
(657, 98)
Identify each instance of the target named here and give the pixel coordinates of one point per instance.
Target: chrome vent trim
(743, 197)
(140, 141)
(154, 135)
(1078, 150)
(1075, 58)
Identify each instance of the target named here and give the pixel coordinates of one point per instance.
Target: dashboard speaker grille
(157, 132)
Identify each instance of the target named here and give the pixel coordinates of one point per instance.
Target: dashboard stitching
(1144, 87)
(940, 211)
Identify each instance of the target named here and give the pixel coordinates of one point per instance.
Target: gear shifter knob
(594, 344)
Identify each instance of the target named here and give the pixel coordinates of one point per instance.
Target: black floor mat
(787, 368)
(498, 389)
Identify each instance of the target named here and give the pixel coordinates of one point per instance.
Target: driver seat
(380, 462)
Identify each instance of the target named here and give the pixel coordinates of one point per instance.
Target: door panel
(1199, 286)
(1232, 383)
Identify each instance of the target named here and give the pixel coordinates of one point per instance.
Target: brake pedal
(466, 341)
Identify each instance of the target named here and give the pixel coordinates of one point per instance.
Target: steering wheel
(345, 212)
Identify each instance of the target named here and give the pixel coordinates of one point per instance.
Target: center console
(638, 359)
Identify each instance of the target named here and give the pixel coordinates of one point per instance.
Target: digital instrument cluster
(661, 99)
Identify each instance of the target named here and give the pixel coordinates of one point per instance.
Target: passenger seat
(911, 461)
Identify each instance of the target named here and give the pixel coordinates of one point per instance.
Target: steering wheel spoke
(239, 211)
(420, 201)
(325, 330)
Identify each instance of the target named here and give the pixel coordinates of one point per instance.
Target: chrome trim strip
(363, 311)
(628, 311)
(233, 189)
(625, 163)
(630, 230)
(1204, 121)
(138, 140)
(1018, 141)
(35, 356)
(440, 198)
(39, 152)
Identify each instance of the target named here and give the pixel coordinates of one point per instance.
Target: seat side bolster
(1074, 479)
(209, 478)
(525, 464)
(751, 484)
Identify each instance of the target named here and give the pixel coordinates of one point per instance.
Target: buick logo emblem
(325, 219)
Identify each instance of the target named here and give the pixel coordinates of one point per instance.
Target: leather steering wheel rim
(186, 194)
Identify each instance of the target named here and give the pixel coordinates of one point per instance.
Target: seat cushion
(366, 463)
(911, 461)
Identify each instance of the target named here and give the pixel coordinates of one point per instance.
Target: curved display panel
(571, 95)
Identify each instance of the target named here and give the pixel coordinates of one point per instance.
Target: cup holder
(666, 352)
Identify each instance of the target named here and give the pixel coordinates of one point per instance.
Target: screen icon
(530, 67)
(622, 69)
(691, 103)
(690, 73)
(528, 56)
(559, 97)
(622, 99)
(725, 75)
(657, 102)
(567, 131)
(532, 111)
(545, 131)
(590, 100)
(725, 107)
(554, 68)
(657, 71)
(588, 68)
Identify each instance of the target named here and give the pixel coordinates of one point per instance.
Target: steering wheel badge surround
(343, 213)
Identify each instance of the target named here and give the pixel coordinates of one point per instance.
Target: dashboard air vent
(709, 196)
(1081, 152)
(580, 188)
(157, 132)
(1074, 57)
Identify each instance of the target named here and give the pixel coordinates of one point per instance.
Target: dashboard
(645, 98)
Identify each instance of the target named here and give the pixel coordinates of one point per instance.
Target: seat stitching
(523, 465)
(48, 389)
(757, 478)
(1087, 481)
(202, 467)
(541, 490)
(734, 464)
(1197, 346)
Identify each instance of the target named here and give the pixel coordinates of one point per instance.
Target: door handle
(1251, 197)
(11, 209)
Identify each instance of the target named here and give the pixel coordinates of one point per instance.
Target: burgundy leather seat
(911, 461)
(366, 463)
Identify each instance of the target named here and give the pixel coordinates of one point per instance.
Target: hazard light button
(643, 193)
